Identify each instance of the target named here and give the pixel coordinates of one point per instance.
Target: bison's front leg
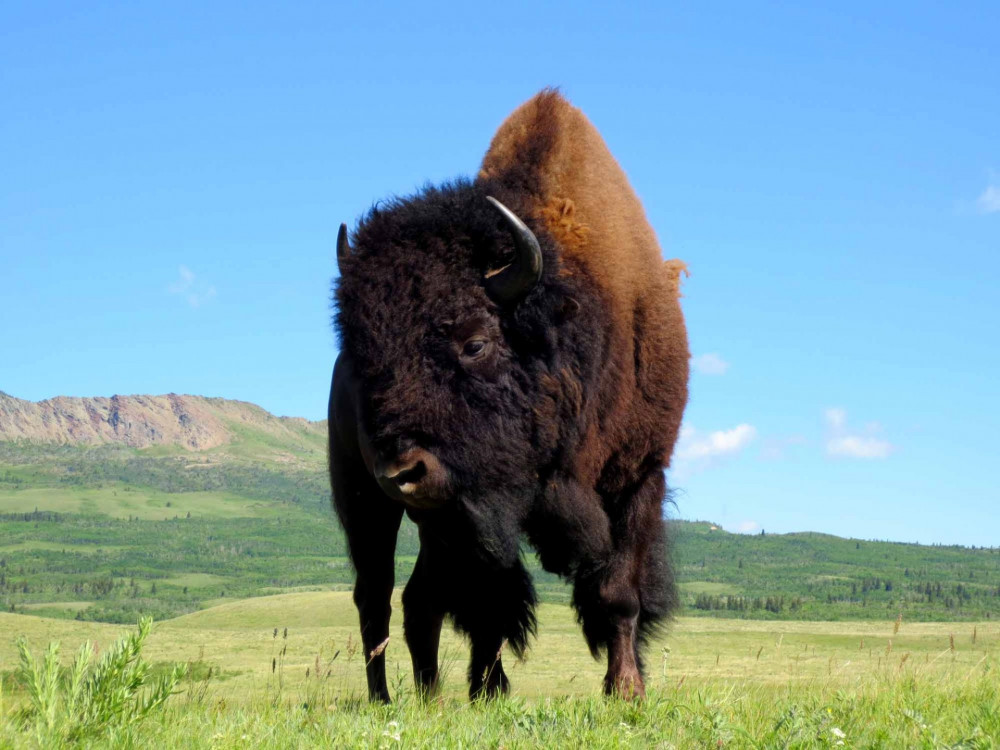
(624, 677)
(496, 608)
(423, 616)
(372, 595)
(486, 676)
(621, 598)
(371, 522)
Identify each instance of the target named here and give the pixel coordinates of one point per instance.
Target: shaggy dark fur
(559, 431)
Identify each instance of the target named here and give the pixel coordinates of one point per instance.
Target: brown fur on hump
(548, 149)
(580, 192)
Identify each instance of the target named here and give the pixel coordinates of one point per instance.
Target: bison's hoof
(429, 690)
(626, 686)
(495, 685)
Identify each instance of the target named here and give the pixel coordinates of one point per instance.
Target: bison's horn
(343, 249)
(511, 282)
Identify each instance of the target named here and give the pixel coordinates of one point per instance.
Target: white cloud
(747, 527)
(697, 451)
(856, 446)
(720, 443)
(841, 442)
(709, 364)
(192, 289)
(989, 201)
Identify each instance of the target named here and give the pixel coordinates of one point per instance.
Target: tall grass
(883, 711)
(719, 684)
(894, 706)
(107, 699)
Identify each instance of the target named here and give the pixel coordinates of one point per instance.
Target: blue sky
(172, 177)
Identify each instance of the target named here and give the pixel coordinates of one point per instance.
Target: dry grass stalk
(378, 650)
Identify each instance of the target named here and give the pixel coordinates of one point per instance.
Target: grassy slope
(818, 576)
(168, 531)
(147, 504)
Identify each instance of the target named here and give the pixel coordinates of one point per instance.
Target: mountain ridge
(194, 423)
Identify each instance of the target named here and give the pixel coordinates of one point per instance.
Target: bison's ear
(509, 284)
(343, 249)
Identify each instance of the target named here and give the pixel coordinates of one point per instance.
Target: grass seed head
(379, 649)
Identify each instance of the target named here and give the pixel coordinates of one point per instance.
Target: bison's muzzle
(416, 477)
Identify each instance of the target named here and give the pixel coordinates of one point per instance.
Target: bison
(513, 364)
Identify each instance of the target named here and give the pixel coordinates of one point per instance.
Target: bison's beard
(494, 493)
(495, 522)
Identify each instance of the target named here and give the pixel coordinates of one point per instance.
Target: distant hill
(110, 508)
(191, 422)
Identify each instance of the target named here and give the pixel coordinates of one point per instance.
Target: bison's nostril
(412, 475)
(394, 471)
(417, 474)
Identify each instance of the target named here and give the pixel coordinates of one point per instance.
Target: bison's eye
(474, 348)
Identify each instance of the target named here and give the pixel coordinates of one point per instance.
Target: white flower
(838, 733)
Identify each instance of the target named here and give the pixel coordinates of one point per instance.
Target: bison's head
(446, 309)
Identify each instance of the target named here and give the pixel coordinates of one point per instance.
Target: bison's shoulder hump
(549, 150)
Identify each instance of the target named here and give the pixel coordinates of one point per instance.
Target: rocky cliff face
(192, 422)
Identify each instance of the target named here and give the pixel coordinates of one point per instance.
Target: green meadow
(287, 671)
(796, 640)
(151, 505)
(238, 639)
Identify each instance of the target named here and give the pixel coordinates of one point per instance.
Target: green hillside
(107, 532)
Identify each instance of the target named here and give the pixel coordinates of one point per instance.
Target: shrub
(89, 700)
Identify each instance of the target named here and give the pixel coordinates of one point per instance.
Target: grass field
(784, 640)
(149, 505)
(238, 638)
(287, 670)
(130, 550)
(165, 531)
